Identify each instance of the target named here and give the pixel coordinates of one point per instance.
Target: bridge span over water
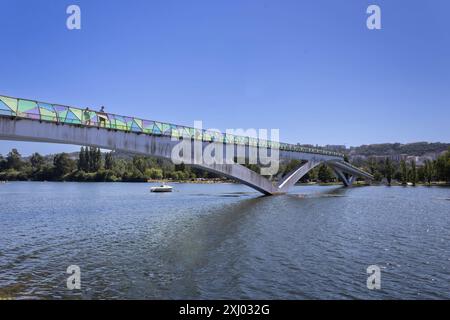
(30, 120)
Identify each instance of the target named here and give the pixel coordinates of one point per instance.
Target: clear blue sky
(310, 68)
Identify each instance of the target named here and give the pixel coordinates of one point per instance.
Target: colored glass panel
(8, 103)
(166, 129)
(136, 125)
(61, 112)
(147, 126)
(47, 112)
(71, 117)
(28, 109)
(120, 122)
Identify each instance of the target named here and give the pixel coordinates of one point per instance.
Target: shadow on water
(215, 224)
(334, 191)
(196, 243)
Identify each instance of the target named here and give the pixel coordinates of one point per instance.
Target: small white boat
(161, 188)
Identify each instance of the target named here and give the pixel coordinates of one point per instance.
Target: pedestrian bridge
(29, 120)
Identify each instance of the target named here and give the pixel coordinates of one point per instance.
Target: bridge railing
(61, 114)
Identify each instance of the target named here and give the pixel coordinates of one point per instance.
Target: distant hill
(410, 149)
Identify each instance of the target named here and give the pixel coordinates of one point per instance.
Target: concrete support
(349, 169)
(243, 175)
(290, 179)
(341, 175)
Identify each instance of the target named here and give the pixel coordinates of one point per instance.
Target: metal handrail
(58, 113)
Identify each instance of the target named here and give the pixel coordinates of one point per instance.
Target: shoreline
(222, 181)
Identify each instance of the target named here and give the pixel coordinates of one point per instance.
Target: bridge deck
(57, 113)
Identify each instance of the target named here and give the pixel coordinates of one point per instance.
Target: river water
(223, 241)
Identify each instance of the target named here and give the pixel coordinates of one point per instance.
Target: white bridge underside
(161, 146)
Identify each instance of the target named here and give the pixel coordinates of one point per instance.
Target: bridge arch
(25, 120)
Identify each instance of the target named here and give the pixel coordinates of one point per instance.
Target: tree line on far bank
(404, 171)
(92, 165)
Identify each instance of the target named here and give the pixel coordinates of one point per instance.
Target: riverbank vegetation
(90, 164)
(404, 172)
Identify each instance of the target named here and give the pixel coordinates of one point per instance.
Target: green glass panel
(175, 133)
(138, 122)
(71, 117)
(186, 132)
(129, 122)
(147, 126)
(9, 102)
(166, 128)
(119, 123)
(62, 115)
(158, 125)
(46, 113)
(91, 115)
(26, 105)
(77, 112)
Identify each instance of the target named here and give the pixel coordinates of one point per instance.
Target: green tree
(404, 171)
(109, 161)
(140, 163)
(63, 165)
(442, 167)
(324, 173)
(98, 160)
(83, 162)
(372, 166)
(37, 161)
(421, 174)
(93, 158)
(87, 159)
(154, 173)
(388, 170)
(377, 176)
(429, 171)
(413, 173)
(180, 167)
(2, 163)
(14, 160)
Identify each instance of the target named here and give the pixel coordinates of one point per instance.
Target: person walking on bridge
(102, 117)
(87, 116)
